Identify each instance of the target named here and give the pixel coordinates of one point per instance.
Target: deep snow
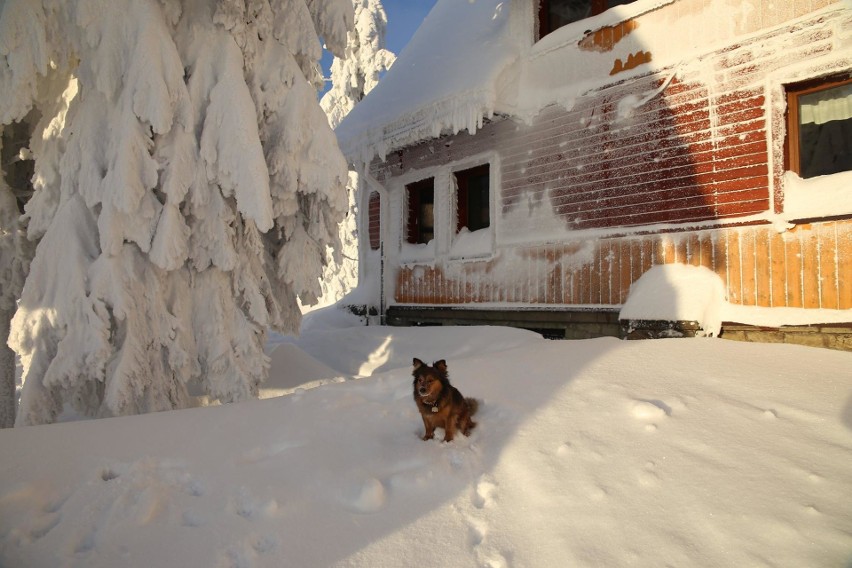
(678, 452)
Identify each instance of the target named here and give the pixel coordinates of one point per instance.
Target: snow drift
(687, 452)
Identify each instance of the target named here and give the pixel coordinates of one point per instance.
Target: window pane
(421, 221)
(374, 216)
(563, 12)
(477, 204)
(825, 131)
(472, 203)
(554, 14)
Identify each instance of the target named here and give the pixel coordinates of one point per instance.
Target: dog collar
(433, 405)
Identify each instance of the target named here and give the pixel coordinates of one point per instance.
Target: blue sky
(404, 17)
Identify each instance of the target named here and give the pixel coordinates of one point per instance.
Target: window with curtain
(819, 129)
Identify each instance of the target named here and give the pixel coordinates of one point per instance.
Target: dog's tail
(472, 404)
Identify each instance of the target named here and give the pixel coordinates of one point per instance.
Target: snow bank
(357, 351)
(677, 292)
(681, 292)
(587, 453)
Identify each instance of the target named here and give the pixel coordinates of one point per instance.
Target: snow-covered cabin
(525, 162)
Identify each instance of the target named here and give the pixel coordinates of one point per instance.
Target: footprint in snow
(46, 512)
(44, 525)
(478, 532)
(243, 554)
(486, 553)
(648, 476)
(248, 507)
(484, 496)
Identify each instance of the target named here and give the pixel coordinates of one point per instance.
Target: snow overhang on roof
(447, 79)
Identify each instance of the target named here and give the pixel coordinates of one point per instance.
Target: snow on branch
(180, 158)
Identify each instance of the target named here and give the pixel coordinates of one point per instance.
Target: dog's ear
(441, 365)
(417, 363)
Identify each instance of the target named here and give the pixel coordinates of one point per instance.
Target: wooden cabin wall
(800, 268)
(654, 153)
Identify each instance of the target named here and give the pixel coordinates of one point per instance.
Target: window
(553, 14)
(819, 127)
(472, 203)
(421, 211)
(374, 216)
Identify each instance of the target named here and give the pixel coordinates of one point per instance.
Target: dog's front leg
(450, 430)
(430, 429)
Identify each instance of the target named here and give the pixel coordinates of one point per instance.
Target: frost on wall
(186, 187)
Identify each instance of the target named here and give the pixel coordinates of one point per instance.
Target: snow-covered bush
(187, 186)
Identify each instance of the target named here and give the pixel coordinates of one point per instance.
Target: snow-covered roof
(446, 79)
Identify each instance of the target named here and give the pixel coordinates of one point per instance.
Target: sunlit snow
(682, 452)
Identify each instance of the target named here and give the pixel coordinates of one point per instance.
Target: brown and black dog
(441, 405)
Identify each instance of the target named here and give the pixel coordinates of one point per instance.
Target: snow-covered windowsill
(472, 245)
(417, 253)
(821, 196)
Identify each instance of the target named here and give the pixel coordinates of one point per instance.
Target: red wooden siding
(667, 161)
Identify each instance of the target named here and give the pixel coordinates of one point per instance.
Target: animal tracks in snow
(246, 551)
(483, 498)
(46, 513)
(247, 506)
(160, 494)
(139, 493)
(484, 494)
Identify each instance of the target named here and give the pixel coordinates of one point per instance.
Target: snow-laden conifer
(356, 73)
(352, 77)
(186, 188)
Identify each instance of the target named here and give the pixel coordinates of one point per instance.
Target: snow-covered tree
(15, 253)
(353, 76)
(186, 188)
(356, 72)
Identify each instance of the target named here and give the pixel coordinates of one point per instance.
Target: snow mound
(649, 410)
(376, 350)
(295, 369)
(677, 292)
(337, 338)
(366, 497)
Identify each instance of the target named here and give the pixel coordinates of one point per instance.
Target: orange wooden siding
(809, 266)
